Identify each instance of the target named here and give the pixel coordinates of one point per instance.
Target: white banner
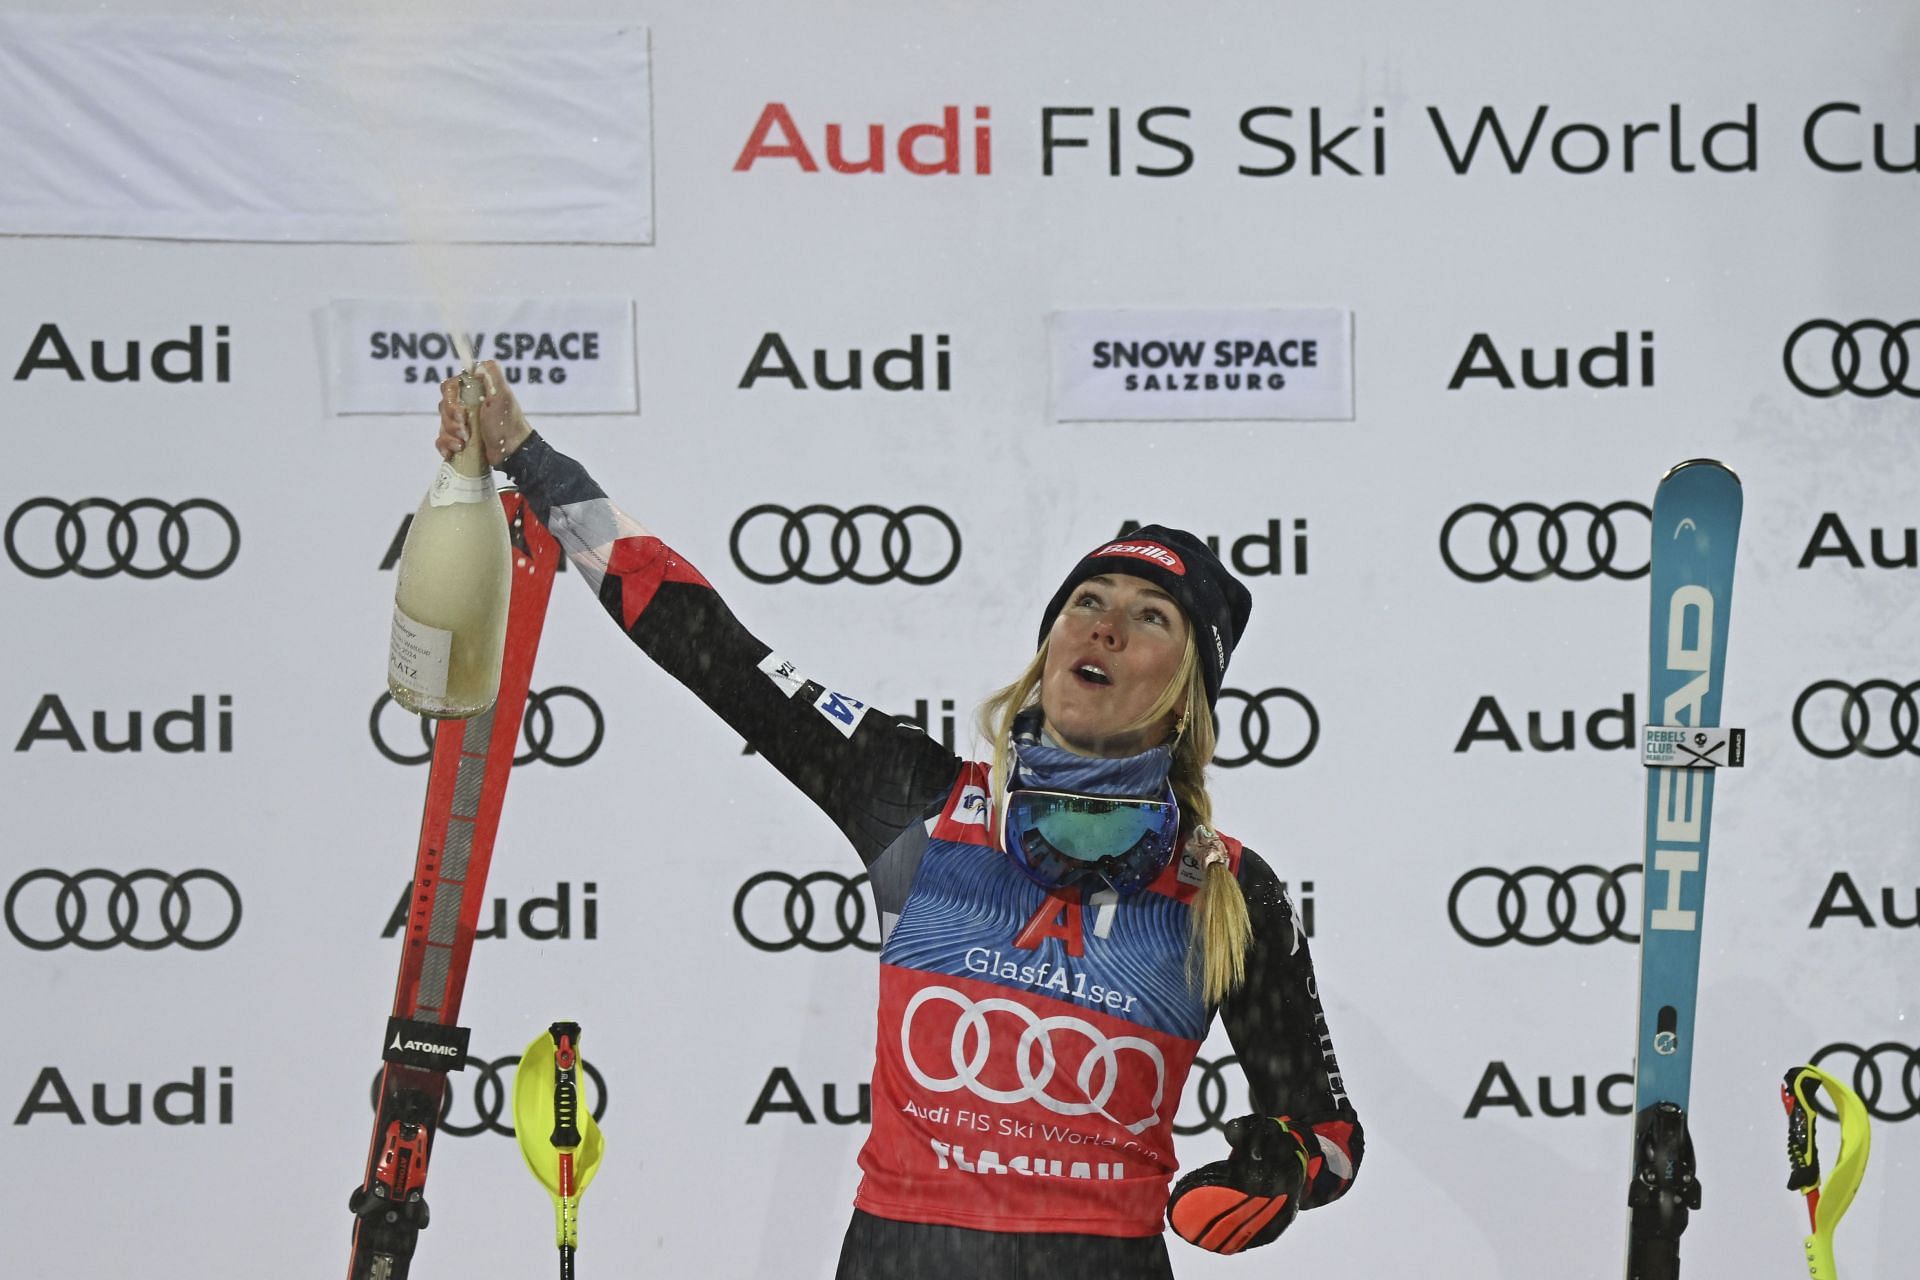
(570, 355)
(361, 130)
(1138, 366)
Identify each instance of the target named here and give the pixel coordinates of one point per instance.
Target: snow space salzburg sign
(1294, 364)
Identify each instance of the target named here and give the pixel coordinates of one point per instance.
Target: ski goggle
(1064, 840)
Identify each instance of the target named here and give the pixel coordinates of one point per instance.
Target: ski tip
(1715, 463)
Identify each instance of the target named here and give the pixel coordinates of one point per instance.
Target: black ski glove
(1249, 1198)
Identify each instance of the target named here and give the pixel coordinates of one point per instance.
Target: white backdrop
(653, 834)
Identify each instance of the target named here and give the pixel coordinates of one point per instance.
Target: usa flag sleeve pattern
(872, 774)
(1279, 1033)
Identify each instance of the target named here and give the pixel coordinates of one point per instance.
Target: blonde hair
(1219, 930)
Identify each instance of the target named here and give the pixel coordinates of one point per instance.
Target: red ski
(466, 786)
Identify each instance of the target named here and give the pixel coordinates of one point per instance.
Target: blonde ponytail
(1219, 929)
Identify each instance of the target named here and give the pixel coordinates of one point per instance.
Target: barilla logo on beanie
(1145, 551)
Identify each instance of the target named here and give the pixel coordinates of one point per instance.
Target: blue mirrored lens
(1062, 840)
(1088, 830)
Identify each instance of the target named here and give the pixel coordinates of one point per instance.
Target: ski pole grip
(1803, 1156)
(566, 1088)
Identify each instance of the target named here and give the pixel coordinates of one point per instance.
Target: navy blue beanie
(1216, 603)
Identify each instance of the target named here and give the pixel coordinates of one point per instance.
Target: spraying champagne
(450, 599)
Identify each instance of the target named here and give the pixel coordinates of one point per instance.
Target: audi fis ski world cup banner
(1404, 311)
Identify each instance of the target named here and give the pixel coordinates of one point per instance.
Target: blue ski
(1696, 525)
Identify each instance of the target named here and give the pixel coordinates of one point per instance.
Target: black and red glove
(1249, 1198)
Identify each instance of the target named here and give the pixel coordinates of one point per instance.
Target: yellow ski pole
(558, 1139)
(1825, 1205)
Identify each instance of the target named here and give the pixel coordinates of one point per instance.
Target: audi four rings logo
(144, 538)
(1254, 730)
(1868, 357)
(1887, 1077)
(1844, 719)
(1212, 1097)
(1529, 541)
(869, 544)
(538, 730)
(56, 916)
(1032, 1055)
(1584, 904)
(836, 903)
(488, 1108)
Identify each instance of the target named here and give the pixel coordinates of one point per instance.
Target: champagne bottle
(450, 598)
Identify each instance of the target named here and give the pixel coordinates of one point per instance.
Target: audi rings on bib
(972, 1043)
(1856, 720)
(64, 547)
(1843, 366)
(799, 910)
(536, 730)
(1256, 729)
(63, 922)
(492, 1097)
(884, 554)
(1506, 556)
(1886, 1076)
(1563, 908)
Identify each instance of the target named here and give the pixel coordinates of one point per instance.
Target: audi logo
(1822, 368)
(491, 1101)
(537, 729)
(1553, 549)
(1849, 708)
(58, 541)
(1212, 1097)
(1254, 729)
(867, 544)
(1498, 913)
(841, 914)
(57, 916)
(1029, 1054)
(1874, 1071)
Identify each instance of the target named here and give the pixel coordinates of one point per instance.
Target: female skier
(1061, 923)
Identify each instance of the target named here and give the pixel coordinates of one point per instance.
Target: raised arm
(871, 774)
